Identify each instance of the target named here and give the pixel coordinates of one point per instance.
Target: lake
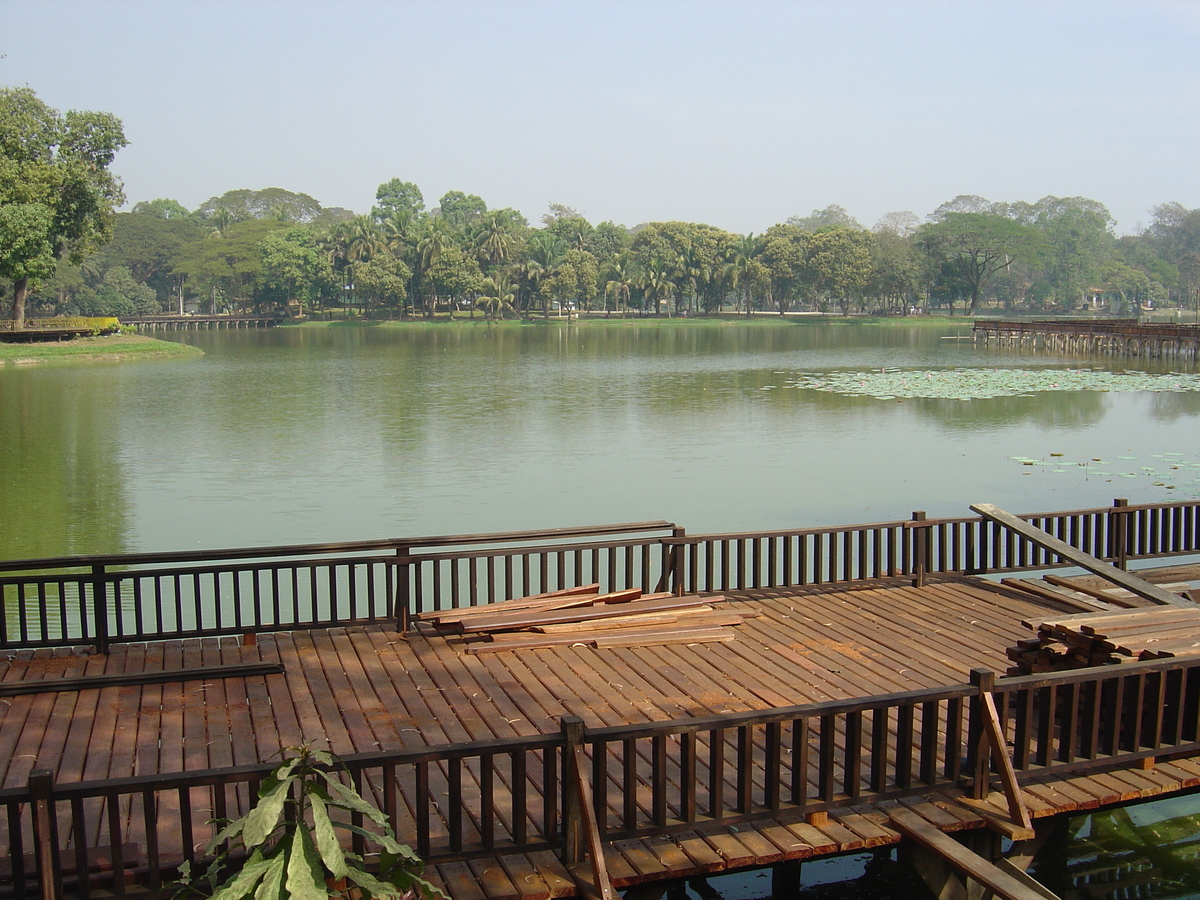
(324, 434)
(342, 433)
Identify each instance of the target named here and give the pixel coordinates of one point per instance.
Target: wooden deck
(367, 689)
(364, 689)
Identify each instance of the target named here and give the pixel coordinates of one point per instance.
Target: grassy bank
(106, 348)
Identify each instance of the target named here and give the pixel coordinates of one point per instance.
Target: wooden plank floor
(363, 689)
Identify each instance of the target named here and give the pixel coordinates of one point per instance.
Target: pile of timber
(582, 616)
(1107, 638)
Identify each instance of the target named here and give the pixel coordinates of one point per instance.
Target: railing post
(1119, 529)
(403, 600)
(979, 757)
(100, 608)
(920, 549)
(45, 834)
(679, 573)
(573, 836)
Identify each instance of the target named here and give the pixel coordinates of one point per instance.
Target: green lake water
(304, 434)
(289, 435)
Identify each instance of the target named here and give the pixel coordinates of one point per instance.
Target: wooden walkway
(364, 689)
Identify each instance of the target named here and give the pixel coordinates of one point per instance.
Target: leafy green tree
(399, 197)
(118, 294)
(573, 279)
(832, 216)
(57, 194)
(382, 280)
(227, 270)
(895, 270)
(972, 247)
(461, 209)
(296, 274)
(1078, 242)
(784, 255)
(454, 275)
(839, 263)
(161, 208)
(273, 203)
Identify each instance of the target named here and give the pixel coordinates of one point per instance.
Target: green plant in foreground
(292, 847)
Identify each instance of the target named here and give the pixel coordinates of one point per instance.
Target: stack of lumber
(582, 616)
(1107, 638)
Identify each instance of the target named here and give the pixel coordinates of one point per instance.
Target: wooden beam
(84, 682)
(1001, 883)
(1074, 557)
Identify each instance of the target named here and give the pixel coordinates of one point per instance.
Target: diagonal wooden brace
(583, 842)
(992, 746)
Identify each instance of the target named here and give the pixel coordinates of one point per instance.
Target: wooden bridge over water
(145, 693)
(200, 322)
(1103, 337)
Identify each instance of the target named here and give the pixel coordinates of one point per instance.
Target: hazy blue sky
(738, 114)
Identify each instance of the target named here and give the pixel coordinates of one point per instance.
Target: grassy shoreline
(106, 348)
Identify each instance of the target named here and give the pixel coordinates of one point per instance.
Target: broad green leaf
(326, 839)
(347, 798)
(261, 820)
(245, 880)
(271, 887)
(304, 879)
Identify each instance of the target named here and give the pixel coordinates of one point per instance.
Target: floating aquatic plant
(975, 384)
(1167, 477)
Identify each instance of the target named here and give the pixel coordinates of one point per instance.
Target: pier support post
(785, 878)
(1119, 529)
(920, 548)
(403, 601)
(45, 835)
(583, 849)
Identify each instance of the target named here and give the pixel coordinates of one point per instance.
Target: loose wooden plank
(962, 859)
(44, 685)
(1074, 557)
(527, 619)
(1061, 599)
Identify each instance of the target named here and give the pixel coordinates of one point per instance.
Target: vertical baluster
(520, 798)
(826, 777)
(879, 749)
(658, 779)
(487, 800)
(687, 776)
(629, 784)
(852, 781)
(422, 802)
(716, 773)
(928, 768)
(904, 746)
(800, 761)
(773, 738)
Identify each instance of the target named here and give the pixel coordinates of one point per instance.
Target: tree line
(64, 250)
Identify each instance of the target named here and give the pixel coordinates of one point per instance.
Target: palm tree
(546, 251)
(620, 272)
(436, 238)
(494, 241)
(657, 281)
(739, 265)
(498, 296)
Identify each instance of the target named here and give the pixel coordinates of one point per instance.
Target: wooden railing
(467, 800)
(135, 597)
(99, 600)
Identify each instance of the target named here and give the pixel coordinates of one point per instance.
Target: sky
(737, 113)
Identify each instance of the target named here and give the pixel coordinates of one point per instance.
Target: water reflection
(1143, 851)
(300, 434)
